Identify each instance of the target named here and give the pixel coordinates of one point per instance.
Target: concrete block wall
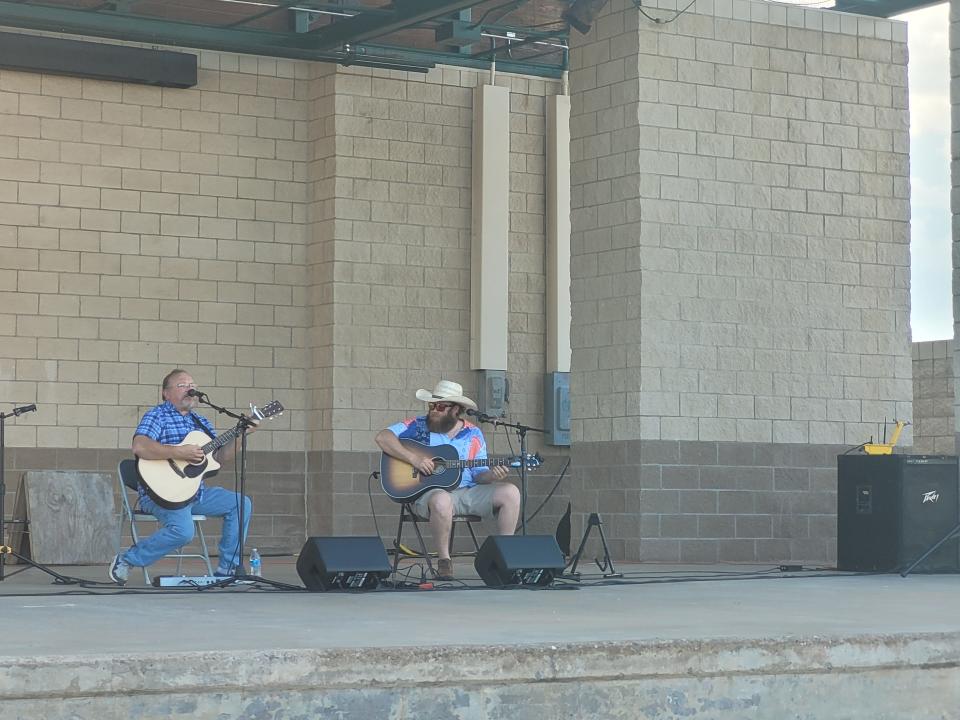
(740, 190)
(741, 269)
(283, 230)
(954, 206)
(146, 228)
(403, 199)
(401, 277)
(933, 412)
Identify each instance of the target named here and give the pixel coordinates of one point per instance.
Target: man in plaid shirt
(157, 437)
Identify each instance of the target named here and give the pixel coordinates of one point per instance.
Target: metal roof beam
(402, 14)
(264, 13)
(141, 29)
(882, 8)
(443, 58)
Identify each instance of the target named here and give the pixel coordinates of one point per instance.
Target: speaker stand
(933, 548)
(607, 564)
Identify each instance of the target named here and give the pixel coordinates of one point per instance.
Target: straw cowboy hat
(447, 391)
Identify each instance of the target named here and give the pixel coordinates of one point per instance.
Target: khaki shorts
(476, 500)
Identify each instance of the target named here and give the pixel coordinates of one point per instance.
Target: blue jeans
(177, 528)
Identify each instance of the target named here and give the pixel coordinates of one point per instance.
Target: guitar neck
(218, 442)
(482, 462)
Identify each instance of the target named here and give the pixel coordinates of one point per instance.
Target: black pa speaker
(519, 560)
(348, 563)
(893, 508)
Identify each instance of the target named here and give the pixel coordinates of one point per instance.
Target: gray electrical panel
(556, 408)
(494, 392)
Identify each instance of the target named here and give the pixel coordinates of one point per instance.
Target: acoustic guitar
(405, 483)
(173, 483)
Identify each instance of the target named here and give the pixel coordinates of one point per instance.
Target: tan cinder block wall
(747, 180)
(740, 257)
(399, 275)
(282, 230)
(401, 280)
(933, 382)
(146, 228)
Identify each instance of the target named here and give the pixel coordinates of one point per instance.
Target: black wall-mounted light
(582, 13)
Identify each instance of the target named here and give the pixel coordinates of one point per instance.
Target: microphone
(481, 417)
(24, 409)
(193, 392)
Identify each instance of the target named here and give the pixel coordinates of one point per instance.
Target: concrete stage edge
(878, 647)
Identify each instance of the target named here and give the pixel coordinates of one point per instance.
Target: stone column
(955, 203)
(740, 265)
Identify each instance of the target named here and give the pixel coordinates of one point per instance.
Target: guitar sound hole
(439, 466)
(193, 471)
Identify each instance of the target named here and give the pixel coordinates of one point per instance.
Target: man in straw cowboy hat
(481, 490)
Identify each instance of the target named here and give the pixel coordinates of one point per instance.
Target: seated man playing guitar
(480, 491)
(158, 438)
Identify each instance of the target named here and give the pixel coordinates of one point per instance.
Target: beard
(442, 424)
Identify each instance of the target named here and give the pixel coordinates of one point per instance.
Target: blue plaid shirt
(165, 424)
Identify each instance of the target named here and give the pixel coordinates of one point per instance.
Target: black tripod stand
(6, 549)
(244, 423)
(950, 535)
(607, 563)
(525, 458)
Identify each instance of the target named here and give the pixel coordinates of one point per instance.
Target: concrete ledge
(879, 676)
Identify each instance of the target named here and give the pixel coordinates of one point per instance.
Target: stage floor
(652, 602)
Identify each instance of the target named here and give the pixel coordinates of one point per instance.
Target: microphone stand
(244, 423)
(4, 548)
(522, 431)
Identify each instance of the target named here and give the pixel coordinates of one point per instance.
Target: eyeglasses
(442, 406)
(187, 385)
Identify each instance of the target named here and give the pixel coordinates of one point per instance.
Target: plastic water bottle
(255, 568)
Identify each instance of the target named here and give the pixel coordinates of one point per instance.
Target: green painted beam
(882, 8)
(403, 13)
(545, 70)
(298, 46)
(139, 29)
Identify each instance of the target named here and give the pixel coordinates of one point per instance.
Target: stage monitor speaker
(505, 560)
(893, 508)
(347, 563)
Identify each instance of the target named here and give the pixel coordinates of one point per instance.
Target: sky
(931, 316)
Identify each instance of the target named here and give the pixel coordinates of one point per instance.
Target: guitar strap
(200, 426)
(423, 434)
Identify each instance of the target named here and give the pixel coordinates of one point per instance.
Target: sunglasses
(442, 406)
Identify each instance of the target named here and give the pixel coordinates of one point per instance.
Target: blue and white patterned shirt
(165, 424)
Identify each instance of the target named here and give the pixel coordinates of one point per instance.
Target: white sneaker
(118, 571)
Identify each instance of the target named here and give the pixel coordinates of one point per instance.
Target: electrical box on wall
(556, 408)
(494, 392)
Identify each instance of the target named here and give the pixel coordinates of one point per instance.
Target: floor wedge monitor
(342, 563)
(506, 560)
(893, 508)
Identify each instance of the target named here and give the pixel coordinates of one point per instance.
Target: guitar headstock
(530, 461)
(268, 411)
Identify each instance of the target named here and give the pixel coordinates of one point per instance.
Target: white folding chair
(129, 480)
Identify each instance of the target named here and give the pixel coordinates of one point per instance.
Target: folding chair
(407, 515)
(129, 480)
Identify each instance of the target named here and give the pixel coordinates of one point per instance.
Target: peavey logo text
(931, 497)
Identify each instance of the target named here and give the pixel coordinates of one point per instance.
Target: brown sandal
(444, 569)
